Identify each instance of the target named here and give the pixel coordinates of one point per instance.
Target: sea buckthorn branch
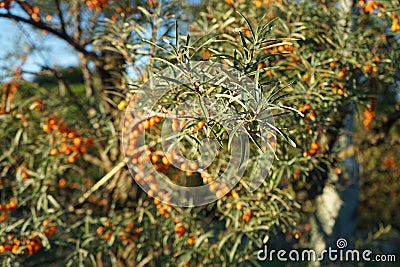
(101, 182)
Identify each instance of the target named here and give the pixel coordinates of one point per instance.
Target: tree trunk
(336, 207)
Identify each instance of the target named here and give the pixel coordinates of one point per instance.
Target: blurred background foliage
(66, 196)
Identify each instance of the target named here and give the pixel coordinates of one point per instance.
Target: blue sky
(55, 51)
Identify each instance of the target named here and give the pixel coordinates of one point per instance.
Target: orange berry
(340, 91)
(100, 230)
(152, 121)
(72, 159)
(191, 240)
(367, 68)
(184, 166)
(239, 205)
(180, 230)
(146, 124)
(230, 2)
(257, 3)
(306, 77)
(77, 141)
(342, 75)
(165, 160)
(261, 65)
(25, 175)
(315, 146)
(83, 150)
(154, 158)
(235, 195)
(200, 125)
(36, 9)
(193, 166)
(121, 105)
(247, 216)
(54, 151)
(332, 64)
(12, 205)
(175, 125)
(62, 182)
(46, 128)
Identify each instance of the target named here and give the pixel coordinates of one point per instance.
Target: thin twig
(102, 181)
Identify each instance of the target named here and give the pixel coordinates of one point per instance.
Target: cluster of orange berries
(14, 245)
(369, 115)
(158, 159)
(179, 228)
(71, 143)
(315, 147)
(286, 48)
(259, 3)
(341, 75)
(4, 209)
(128, 232)
(33, 11)
(152, 3)
(395, 22)
(238, 204)
(9, 90)
(390, 163)
(372, 68)
(97, 5)
(180, 231)
(24, 171)
(178, 124)
(248, 214)
(306, 109)
(336, 89)
(28, 246)
(370, 6)
(49, 229)
(220, 189)
(163, 208)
